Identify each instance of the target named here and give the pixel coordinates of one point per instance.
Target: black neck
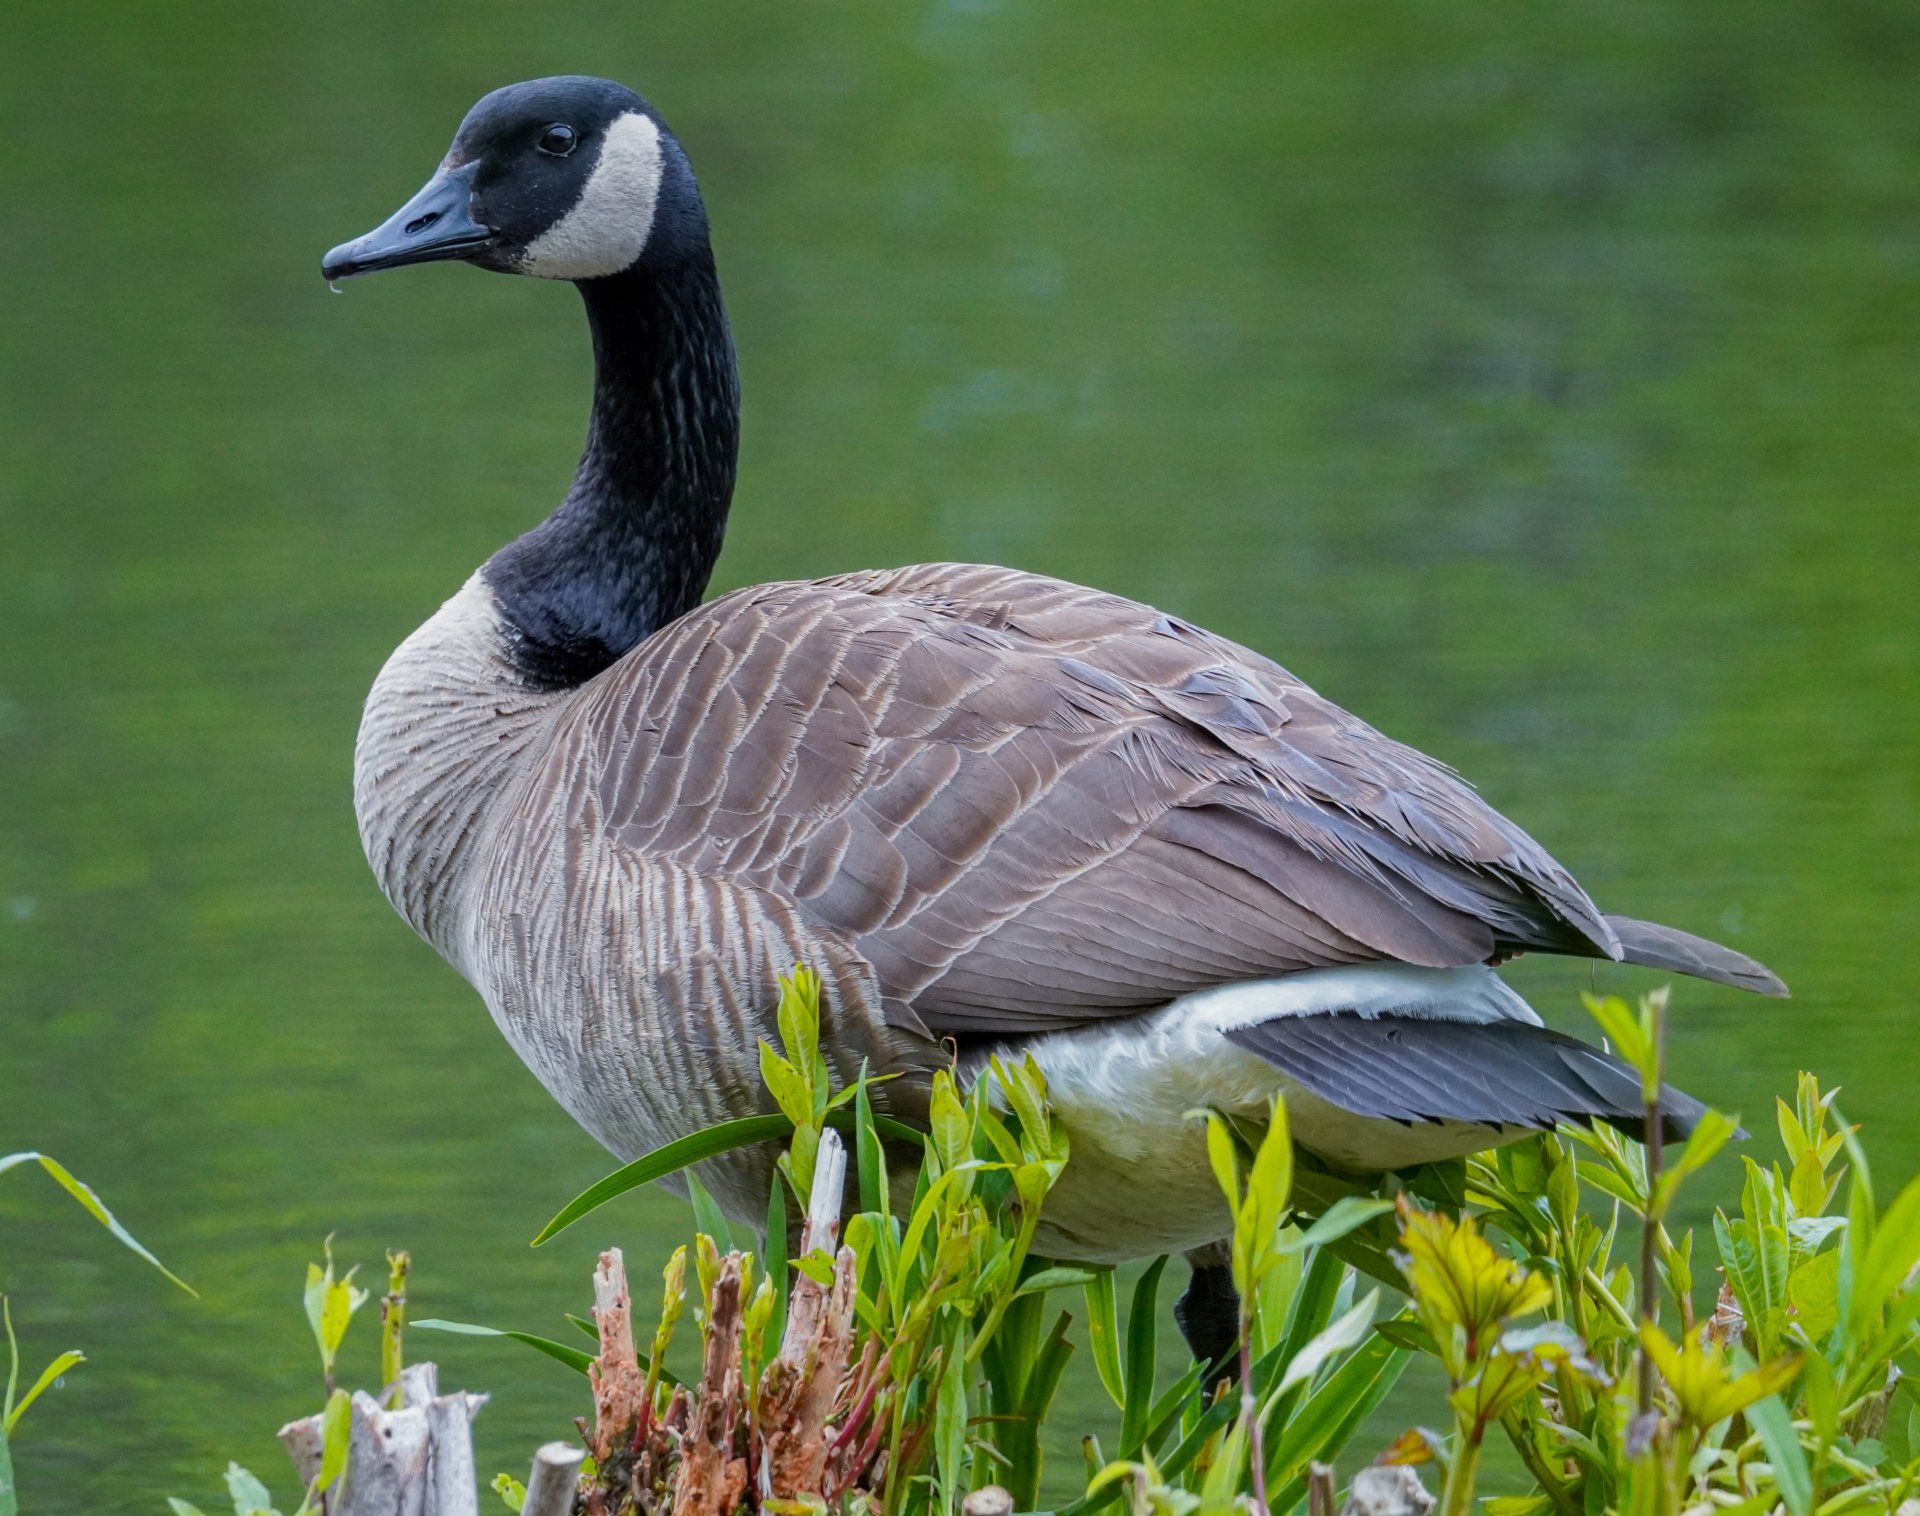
(633, 544)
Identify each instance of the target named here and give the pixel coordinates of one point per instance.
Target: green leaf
(511, 1491)
(1624, 1028)
(1193, 1439)
(1270, 1179)
(9, 1493)
(1103, 1335)
(1309, 1314)
(331, 1304)
(798, 1016)
(1058, 1278)
(1857, 1240)
(1891, 1256)
(868, 1154)
(1329, 1416)
(1807, 1185)
(1793, 1136)
(708, 1143)
(1224, 1479)
(1006, 1147)
(1404, 1332)
(786, 1084)
(1820, 1396)
(573, 1358)
(1741, 1260)
(48, 1375)
(249, 1494)
(1806, 1235)
(927, 1207)
(336, 1427)
(91, 1203)
(950, 1415)
(952, 1137)
(707, 1215)
(1813, 1292)
(1166, 1410)
(13, 1361)
(1347, 1214)
(1610, 1181)
(776, 1251)
(586, 1328)
(1026, 1089)
(1109, 1476)
(816, 1266)
(1343, 1334)
(1711, 1133)
(1769, 1417)
(1223, 1153)
(1142, 1342)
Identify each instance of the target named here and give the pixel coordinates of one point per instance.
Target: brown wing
(1029, 804)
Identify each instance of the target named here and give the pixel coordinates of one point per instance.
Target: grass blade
(1327, 1417)
(1057, 1277)
(1136, 1416)
(869, 1158)
(586, 1326)
(1343, 1334)
(707, 1215)
(9, 1496)
(676, 1155)
(662, 1161)
(1771, 1419)
(50, 1373)
(1166, 1410)
(91, 1203)
(1103, 1335)
(776, 1255)
(573, 1358)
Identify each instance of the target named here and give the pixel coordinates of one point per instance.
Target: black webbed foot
(1208, 1315)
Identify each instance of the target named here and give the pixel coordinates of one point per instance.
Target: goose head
(564, 178)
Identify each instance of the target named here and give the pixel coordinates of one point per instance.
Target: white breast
(442, 735)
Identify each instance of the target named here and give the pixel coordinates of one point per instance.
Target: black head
(563, 178)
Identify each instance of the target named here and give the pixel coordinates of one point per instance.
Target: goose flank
(992, 809)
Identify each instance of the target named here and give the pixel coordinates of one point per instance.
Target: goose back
(999, 803)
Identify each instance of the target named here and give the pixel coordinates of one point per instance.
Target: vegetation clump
(904, 1360)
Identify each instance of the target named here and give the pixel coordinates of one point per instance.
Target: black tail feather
(1495, 1074)
(1665, 947)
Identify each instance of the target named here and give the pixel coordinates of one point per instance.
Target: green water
(1538, 380)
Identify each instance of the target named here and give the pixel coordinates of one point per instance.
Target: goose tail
(1503, 1074)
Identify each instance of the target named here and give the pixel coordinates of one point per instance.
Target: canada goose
(990, 808)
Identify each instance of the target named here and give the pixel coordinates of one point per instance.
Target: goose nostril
(420, 223)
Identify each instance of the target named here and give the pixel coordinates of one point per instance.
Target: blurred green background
(1538, 380)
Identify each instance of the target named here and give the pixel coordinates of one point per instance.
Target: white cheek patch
(608, 225)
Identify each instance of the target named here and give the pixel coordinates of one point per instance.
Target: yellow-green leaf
(93, 1206)
(47, 1377)
(336, 1426)
(1461, 1278)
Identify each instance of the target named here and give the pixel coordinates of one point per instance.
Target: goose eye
(557, 140)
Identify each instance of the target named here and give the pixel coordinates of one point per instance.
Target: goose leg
(1208, 1314)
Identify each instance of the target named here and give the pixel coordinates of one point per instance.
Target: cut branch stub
(555, 1478)
(803, 1384)
(417, 1461)
(712, 1481)
(619, 1386)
